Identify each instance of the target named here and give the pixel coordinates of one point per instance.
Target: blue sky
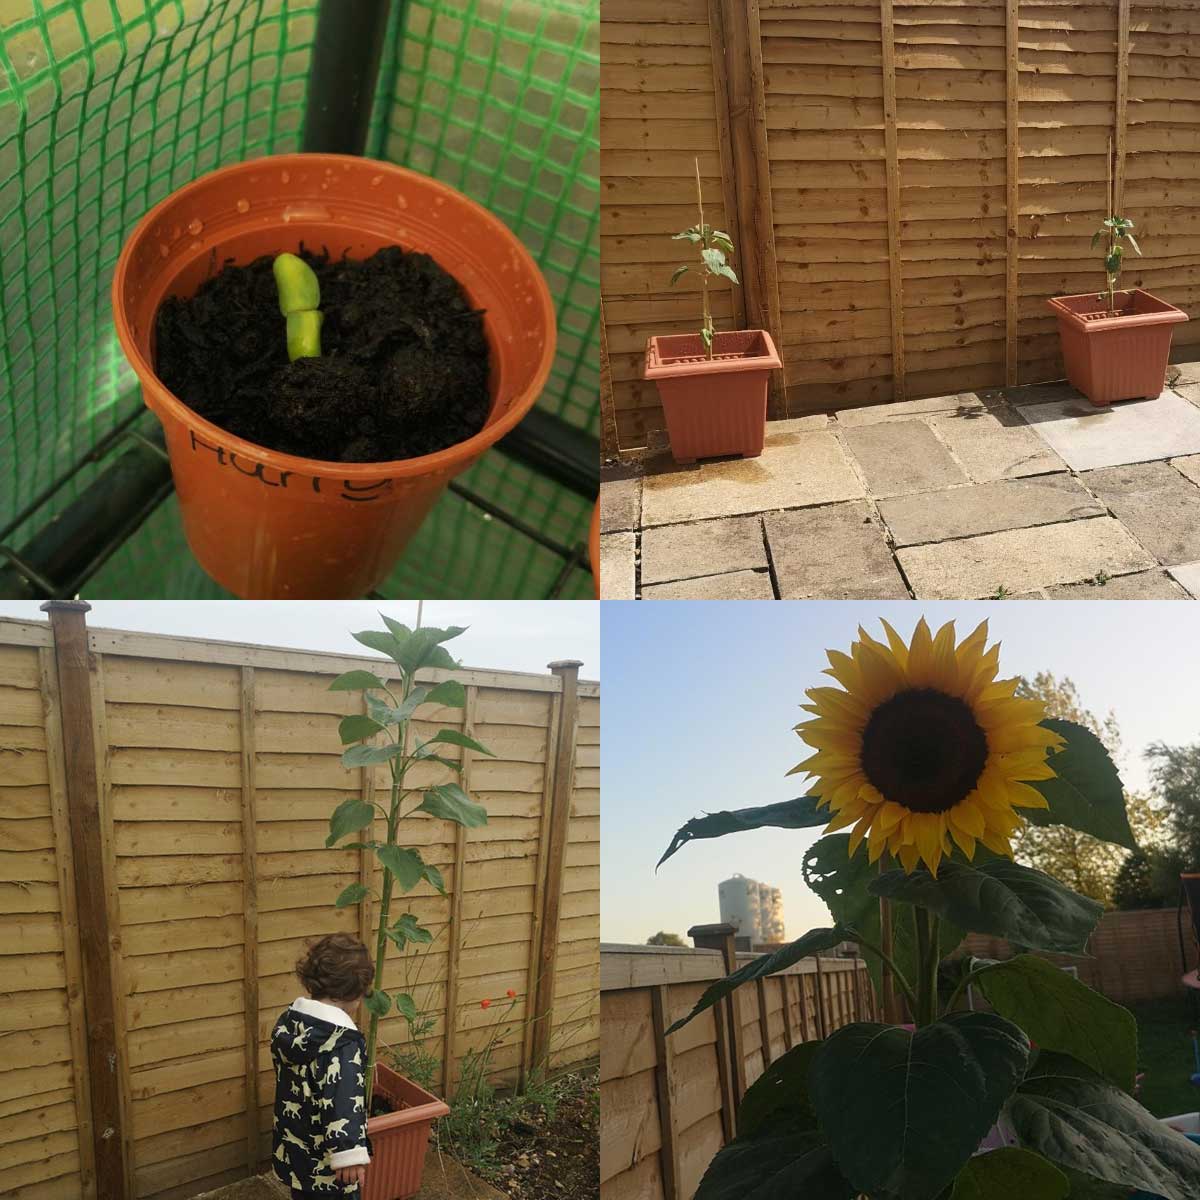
(700, 699)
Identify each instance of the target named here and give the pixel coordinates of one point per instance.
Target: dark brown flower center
(924, 750)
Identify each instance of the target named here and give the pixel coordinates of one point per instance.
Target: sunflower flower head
(922, 745)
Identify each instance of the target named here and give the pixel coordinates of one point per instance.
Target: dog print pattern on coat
(318, 1101)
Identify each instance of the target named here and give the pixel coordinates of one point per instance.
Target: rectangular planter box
(1116, 358)
(715, 405)
(399, 1139)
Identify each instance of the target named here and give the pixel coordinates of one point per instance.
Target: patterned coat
(320, 1119)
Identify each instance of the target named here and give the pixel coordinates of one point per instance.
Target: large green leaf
(1087, 793)
(356, 681)
(378, 1002)
(1002, 898)
(351, 894)
(449, 692)
(787, 814)
(423, 648)
(1070, 1115)
(787, 1163)
(368, 756)
(356, 728)
(843, 882)
(448, 802)
(381, 641)
(904, 1111)
(813, 942)
(349, 816)
(406, 865)
(782, 1089)
(452, 737)
(1007, 1174)
(1060, 1013)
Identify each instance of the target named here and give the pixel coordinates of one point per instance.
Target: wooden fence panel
(219, 766)
(936, 172)
(667, 1104)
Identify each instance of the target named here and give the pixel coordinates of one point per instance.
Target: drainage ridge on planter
(265, 524)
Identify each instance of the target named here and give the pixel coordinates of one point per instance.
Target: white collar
(327, 1012)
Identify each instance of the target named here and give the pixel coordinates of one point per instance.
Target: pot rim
(1167, 314)
(403, 468)
(432, 1109)
(768, 360)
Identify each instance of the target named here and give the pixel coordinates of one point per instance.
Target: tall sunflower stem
(889, 964)
(891, 1013)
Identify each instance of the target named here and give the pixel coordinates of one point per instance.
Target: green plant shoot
(714, 246)
(381, 735)
(1114, 231)
(300, 303)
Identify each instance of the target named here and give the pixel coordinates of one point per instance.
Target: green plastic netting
(106, 106)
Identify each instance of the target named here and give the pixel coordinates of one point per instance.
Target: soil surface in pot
(403, 368)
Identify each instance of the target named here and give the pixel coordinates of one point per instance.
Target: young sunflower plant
(383, 734)
(932, 762)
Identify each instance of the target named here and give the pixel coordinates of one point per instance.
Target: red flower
(485, 1004)
(511, 994)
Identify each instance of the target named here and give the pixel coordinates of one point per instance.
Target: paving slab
(1144, 585)
(1086, 437)
(620, 504)
(1021, 560)
(737, 585)
(875, 414)
(900, 457)
(1188, 467)
(1156, 504)
(838, 552)
(705, 548)
(996, 444)
(1187, 575)
(617, 575)
(987, 508)
(794, 469)
(799, 424)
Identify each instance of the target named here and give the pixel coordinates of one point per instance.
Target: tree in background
(666, 939)
(1082, 862)
(1176, 774)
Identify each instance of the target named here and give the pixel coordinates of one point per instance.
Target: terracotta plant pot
(713, 405)
(399, 1139)
(1116, 358)
(270, 525)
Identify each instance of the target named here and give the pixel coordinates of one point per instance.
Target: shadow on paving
(444, 1179)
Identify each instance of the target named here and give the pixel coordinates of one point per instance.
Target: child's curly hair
(336, 967)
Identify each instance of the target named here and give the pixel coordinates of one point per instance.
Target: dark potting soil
(403, 368)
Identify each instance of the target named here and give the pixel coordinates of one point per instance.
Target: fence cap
(718, 930)
(65, 606)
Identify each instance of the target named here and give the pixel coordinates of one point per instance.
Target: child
(320, 1135)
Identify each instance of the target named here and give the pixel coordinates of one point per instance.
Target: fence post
(96, 937)
(1012, 212)
(887, 39)
(664, 1078)
(556, 855)
(720, 937)
(745, 101)
(454, 932)
(250, 914)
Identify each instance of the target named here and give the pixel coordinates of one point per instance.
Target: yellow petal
(858, 833)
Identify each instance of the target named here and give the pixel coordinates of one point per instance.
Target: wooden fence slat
(745, 103)
(454, 931)
(560, 819)
(100, 984)
(892, 155)
(764, 1021)
(69, 910)
(1012, 210)
(250, 915)
(1121, 121)
(664, 1089)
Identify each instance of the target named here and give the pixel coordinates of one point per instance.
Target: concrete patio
(1021, 493)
